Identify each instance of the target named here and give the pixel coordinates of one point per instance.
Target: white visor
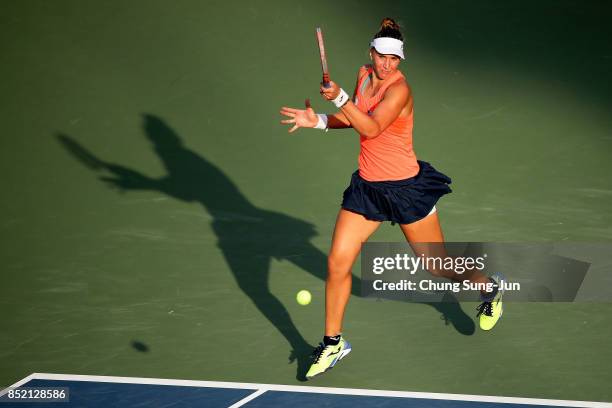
(388, 45)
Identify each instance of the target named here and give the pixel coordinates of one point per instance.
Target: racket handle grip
(326, 83)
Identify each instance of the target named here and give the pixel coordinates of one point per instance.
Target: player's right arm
(338, 120)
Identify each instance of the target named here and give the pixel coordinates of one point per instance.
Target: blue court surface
(101, 391)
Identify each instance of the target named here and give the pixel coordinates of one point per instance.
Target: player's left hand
(306, 118)
(330, 93)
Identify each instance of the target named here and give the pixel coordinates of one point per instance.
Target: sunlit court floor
(99, 391)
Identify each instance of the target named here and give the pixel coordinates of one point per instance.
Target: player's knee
(438, 273)
(338, 265)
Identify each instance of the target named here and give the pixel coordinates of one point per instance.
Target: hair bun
(389, 23)
(389, 28)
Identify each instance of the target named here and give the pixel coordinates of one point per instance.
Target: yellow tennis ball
(303, 297)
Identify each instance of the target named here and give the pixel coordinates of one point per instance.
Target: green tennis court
(157, 221)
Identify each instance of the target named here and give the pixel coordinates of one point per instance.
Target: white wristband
(322, 123)
(341, 99)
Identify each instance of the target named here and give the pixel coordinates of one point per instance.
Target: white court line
(247, 399)
(17, 384)
(318, 390)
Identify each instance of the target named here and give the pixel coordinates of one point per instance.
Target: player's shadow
(249, 237)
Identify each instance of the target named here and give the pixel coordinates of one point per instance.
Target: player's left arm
(337, 121)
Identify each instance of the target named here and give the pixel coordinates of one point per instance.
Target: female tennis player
(390, 184)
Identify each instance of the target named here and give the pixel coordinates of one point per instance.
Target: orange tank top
(389, 156)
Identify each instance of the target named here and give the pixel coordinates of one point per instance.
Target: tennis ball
(303, 297)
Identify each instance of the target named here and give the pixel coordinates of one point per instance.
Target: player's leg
(312, 260)
(425, 230)
(421, 234)
(425, 237)
(351, 231)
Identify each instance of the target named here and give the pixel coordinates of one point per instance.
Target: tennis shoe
(325, 357)
(491, 310)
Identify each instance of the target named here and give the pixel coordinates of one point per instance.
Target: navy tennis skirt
(399, 201)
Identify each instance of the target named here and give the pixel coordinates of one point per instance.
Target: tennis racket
(323, 57)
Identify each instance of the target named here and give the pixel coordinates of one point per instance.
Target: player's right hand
(331, 92)
(306, 118)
